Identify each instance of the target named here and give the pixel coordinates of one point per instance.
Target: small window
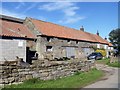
(77, 42)
(48, 39)
(49, 48)
(68, 41)
(20, 43)
(98, 45)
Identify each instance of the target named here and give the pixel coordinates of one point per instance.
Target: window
(20, 43)
(111, 48)
(48, 39)
(98, 45)
(68, 41)
(77, 42)
(49, 48)
(105, 46)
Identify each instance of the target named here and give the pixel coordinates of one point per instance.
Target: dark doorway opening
(30, 55)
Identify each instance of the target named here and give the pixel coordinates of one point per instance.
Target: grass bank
(103, 61)
(106, 61)
(75, 81)
(115, 64)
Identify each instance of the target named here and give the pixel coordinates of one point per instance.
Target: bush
(102, 51)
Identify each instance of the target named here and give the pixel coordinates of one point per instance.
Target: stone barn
(56, 41)
(16, 40)
(35, 39)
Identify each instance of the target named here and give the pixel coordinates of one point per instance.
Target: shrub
(102, 51)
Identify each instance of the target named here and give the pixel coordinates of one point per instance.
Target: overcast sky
(93, 16)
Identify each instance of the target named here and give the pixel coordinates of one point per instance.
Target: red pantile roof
(50, 29)
(98, 38)
(14, 29)
(110, 44)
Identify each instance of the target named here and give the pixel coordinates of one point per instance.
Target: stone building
(55, 41)
(35, 39)
(30, 38)
(16, 39)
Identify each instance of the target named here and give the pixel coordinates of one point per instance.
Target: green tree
(114, 37)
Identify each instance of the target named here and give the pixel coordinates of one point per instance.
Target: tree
(114, 37)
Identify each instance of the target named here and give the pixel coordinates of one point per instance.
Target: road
(110, 80)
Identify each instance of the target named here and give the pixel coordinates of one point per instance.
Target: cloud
(55, 6)
(13, 14)
(30, 7)
(6, 12)
(68, 8)
(71, 20)
(22, 15)
(70, 11)
(21, 4)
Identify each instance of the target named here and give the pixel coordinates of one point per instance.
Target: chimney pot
(82, 28)
(97, 33)
(105, 38)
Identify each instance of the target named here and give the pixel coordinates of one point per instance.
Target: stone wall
(59, 47)
(42, 69)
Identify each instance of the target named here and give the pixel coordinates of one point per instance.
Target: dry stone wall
(42, 69)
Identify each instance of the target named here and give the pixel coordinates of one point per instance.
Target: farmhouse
(30, 37)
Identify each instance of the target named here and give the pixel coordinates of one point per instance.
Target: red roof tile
(50, 29)
(14, 29)
(110, 44)
(99, 39)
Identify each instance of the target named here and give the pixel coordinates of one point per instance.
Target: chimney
(82, 29)
(97, 33)
(105, 38)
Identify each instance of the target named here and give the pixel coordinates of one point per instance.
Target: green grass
(115, 64)
(106, 61)
(75, 81)
(103, 61)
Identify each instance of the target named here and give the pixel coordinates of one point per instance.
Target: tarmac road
(110, 80)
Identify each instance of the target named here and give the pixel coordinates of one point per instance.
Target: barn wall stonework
(59, 47)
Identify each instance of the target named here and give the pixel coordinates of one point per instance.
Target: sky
(93, 16)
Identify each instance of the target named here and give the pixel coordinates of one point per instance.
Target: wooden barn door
(70, 52)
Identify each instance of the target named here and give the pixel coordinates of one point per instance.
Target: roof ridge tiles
(10, 28)
(14, 19)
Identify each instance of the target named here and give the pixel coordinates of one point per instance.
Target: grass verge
(106, 61)
(103, 61)
(78, 80)
(115, 64)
